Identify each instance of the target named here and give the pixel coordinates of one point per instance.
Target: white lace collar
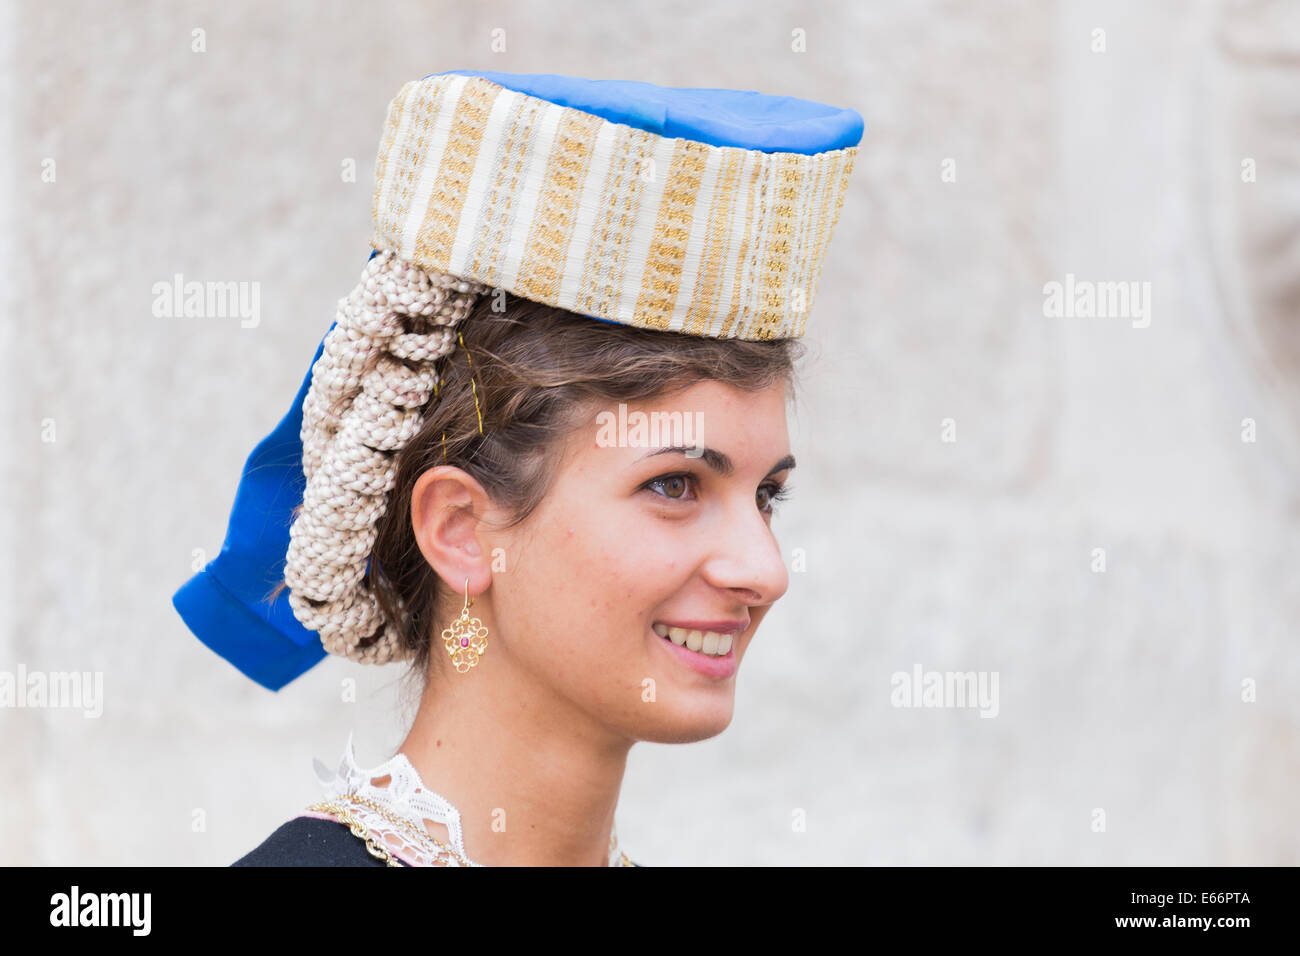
(395, 814)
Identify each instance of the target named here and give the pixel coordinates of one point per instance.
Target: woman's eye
(773, 493)
(674, 486)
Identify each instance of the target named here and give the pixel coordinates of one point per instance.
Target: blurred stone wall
(968, 462)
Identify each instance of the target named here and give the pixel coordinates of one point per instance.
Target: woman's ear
(447, 506)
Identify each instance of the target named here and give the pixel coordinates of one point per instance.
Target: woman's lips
(718, 627)
(718, 666)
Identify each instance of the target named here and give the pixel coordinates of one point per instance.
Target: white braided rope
(363, 407)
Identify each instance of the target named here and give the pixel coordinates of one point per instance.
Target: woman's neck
(535, 781)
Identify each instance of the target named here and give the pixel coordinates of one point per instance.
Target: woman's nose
(746, 557)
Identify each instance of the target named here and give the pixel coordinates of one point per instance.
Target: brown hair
(532, 374)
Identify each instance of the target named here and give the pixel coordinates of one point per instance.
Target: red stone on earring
(464, 642)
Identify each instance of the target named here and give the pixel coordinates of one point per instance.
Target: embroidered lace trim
(394, 814)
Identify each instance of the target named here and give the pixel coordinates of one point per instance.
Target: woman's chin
(688, 724)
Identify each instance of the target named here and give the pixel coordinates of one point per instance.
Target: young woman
(540, 452)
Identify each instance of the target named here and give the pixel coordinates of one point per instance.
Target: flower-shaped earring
(466, 639)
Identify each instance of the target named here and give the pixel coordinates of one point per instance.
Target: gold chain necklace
(361, 831)
(420, 834)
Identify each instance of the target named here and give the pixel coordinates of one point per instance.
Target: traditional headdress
(699, 211)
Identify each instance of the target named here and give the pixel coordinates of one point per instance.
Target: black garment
(306, 841)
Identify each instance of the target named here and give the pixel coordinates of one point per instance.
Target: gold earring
(466, 639)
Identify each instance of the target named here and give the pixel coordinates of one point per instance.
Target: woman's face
(630, 542)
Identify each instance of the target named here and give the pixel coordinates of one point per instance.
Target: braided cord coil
(366, 401)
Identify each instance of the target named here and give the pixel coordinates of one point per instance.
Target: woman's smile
(720, 663)
(708, 638)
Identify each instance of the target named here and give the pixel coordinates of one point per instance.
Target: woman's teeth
(704, 642)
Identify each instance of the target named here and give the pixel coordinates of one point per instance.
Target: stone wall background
(1120, 691)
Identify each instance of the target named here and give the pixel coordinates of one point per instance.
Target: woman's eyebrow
(717, 460)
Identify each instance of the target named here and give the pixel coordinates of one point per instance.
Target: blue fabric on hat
(742, 118)
(225, 604)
